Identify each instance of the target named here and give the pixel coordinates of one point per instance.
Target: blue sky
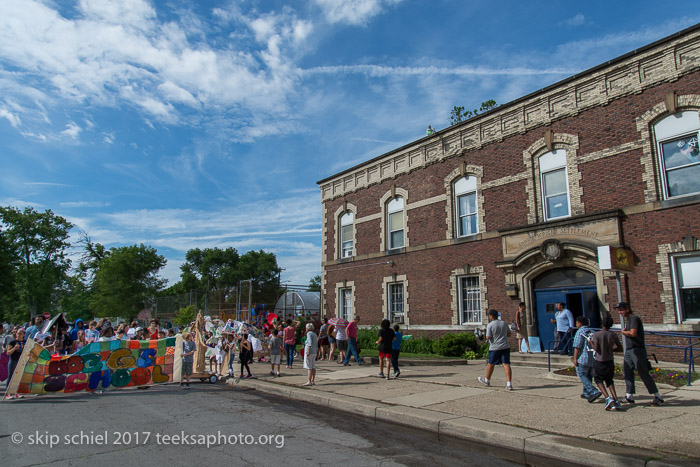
(183, 124)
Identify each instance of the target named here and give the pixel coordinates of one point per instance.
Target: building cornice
(663, 61)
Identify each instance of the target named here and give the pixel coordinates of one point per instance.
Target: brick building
(512, 205)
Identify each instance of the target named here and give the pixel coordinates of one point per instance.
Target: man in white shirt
(564, 320)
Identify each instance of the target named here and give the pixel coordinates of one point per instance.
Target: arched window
(555, 185)
(346, 234)
(679, 158)
(466, 215)
(395, 223)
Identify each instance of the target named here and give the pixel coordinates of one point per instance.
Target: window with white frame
(555, 185)
(346, 227)
(466, 215)
(395, 223)
(688, 287)
(679, 155)
(345, 304)
(469, 299)
(396, 311)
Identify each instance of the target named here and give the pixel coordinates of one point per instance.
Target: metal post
(238, 302)
(250, 296)
(618, 283)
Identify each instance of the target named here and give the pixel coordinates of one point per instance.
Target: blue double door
(581, 300)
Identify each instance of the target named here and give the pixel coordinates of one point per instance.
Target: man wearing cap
(636, 355)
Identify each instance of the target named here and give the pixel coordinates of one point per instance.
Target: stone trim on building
(468, 270)
(651, 175)
(344, 285)
(383, 203)
(531, 160)
(671, 314)
(666, 62)
(385, 299)
(336, 221)
(449, 181)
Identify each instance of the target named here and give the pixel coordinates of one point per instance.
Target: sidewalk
(543, 419)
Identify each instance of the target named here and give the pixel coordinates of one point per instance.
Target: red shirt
(290, 335)
(351, 330)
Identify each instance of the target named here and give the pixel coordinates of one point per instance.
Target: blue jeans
(289, 348)
(585, 374)
(352, 349)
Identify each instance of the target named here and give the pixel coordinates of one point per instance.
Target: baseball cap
(623, 305)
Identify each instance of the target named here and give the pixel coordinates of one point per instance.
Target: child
(80, 342)
(604, 343)
(276, 346)
(219, 353)
(188, 349)
(396, 350)
(92, 335)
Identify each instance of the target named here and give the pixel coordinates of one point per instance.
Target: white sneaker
(509, 386)
(484, 381)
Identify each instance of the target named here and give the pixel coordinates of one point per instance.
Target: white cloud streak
(353, 12)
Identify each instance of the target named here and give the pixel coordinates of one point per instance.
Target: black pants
(395, 359)
(636, 358)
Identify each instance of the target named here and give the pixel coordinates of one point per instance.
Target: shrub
(454, 345)
(366, 338)
(483, 351)
(423, 345)
(469, 355)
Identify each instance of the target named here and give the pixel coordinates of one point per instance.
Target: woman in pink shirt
(290, 340)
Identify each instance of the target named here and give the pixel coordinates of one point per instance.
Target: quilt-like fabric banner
(98, 365)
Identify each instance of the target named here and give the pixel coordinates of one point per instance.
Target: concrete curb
(523, 445)
(556, 377)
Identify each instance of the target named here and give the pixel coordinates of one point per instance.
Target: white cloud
(108, 138)
(45, 184)
(72, 130)
(377, 71)
(353, 12)
(577, 20)
(10, 117)
(83, 204)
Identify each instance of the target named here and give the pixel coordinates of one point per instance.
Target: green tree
(126, 280)
(8, 286)
(185, 315)
(458, 114)
(315, 284)
(39, 241)
(210, 269)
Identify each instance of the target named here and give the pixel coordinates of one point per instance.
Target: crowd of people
(592, 351)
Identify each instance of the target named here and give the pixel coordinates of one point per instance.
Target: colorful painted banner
(98, 365)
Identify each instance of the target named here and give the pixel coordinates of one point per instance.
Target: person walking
(497, 334)
(351, 331)
(564, 320)
(396, 350)
(583, 359)
(323, 340)
(636, 355)
(604, 343)
(331, 341)
(521, 323)
(385, 341)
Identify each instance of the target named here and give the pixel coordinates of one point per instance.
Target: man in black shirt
(636, 355)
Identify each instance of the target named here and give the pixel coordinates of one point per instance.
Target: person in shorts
(497, 334)
(188, 349)
(385, 342)
(276, 345)
(604, 343)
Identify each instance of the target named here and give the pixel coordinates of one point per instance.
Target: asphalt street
(208, 424)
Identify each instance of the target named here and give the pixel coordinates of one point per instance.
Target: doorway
(575, 287)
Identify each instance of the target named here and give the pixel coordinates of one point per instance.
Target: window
(395, 222)
(469, 300)
(555, 185)
(688, 287)
(396, 303)
(345, 305)
(346, 226)
(679, 157)
(465, 205)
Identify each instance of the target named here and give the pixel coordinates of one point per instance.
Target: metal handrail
(688, 356)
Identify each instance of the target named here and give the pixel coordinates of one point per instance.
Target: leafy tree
(315, 284)
(210, 269)
(458, 114)
(39, 241)
(185, 315)
(126, 281)
(75, 301)
(8, 288)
